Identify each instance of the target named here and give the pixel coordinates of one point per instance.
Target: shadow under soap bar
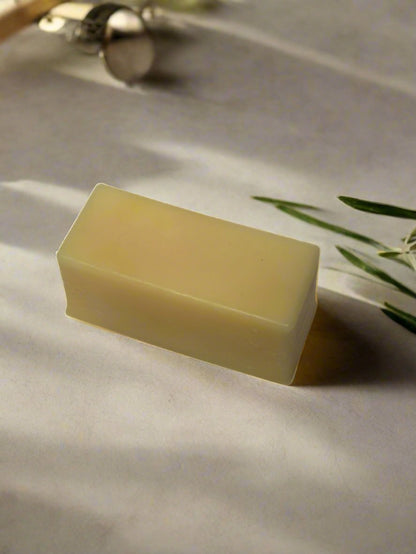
(211, 289)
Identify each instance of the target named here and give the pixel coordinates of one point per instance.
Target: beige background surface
(108, 445)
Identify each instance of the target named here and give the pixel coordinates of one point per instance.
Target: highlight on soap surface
(215, 290)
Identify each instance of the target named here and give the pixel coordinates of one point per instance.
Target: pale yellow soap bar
(215, 290)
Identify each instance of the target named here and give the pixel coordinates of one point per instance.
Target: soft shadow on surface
(343, 346)
(242, 99)
(70, 498)
(38, 225)
(33, 524)
(164, 80)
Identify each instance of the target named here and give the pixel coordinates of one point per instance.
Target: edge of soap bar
(302, 325)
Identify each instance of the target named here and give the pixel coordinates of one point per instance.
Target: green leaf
(330, 227)
(377, 208)
(358, 276)
(278, 202)
(395, 256)
(390, 253)
(374, 270)
(399, 316)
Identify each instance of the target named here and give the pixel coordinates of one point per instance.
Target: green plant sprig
(293, 209)
(375, 271)
(405, 255)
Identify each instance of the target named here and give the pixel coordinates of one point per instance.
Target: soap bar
(221, 292)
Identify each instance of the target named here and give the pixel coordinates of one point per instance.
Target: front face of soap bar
(214, 290)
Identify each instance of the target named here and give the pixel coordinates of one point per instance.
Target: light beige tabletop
(111, 446)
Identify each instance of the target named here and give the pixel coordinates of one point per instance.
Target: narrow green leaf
(401, 317)
(395, 256)
(358, 276)
(330, 227)
(375, 271)
(400, 311)
(390, 253)
(278, 202)
(377, 208)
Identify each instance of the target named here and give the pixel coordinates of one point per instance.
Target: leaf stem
(277, 202)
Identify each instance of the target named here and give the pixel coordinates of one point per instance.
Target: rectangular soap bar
(221, 292)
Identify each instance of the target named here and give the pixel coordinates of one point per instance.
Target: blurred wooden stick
(22, 15)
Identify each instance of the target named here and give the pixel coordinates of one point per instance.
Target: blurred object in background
(116, 32)
(124, 33)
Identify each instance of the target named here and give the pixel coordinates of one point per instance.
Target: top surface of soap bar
(216, 261)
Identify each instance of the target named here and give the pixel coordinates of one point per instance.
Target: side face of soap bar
(208, 288)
